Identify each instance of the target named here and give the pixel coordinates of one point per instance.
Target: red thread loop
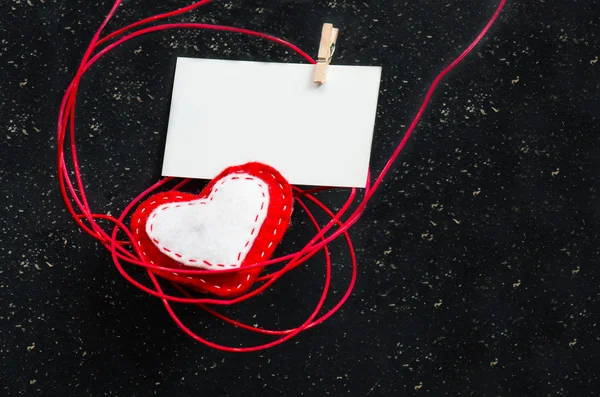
(73, 192)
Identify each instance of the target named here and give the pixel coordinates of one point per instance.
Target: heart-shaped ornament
(236, 221)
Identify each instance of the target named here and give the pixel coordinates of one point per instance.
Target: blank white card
(226, 113)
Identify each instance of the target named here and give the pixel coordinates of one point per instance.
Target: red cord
(73, 192)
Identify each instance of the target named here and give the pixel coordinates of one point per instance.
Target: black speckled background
(478, 258)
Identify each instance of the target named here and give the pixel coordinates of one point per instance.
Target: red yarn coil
(73, 192)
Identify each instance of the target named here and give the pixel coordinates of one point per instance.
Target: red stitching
(211, 199)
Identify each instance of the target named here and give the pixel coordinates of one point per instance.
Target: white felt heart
(215, 232)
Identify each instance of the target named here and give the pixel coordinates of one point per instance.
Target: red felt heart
(236, 221)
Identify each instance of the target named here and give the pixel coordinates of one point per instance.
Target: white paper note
(226, 113)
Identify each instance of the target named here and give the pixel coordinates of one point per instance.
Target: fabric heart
(235, 222)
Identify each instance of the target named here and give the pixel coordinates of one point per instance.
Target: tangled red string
(128, 251)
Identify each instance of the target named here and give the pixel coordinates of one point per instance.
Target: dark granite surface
(477, 259)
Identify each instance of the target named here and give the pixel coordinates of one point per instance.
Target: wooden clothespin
(329, 36)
